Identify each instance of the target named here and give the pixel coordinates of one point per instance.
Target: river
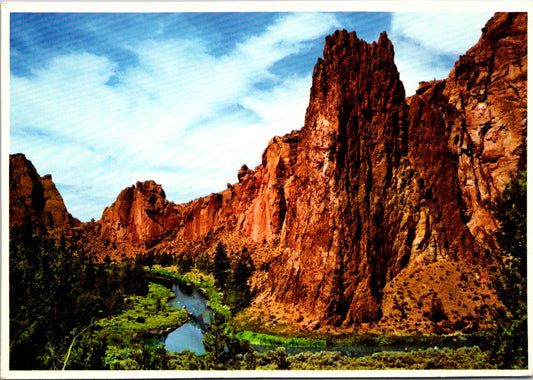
(190, 335)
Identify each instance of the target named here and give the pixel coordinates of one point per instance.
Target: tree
(513, 229)
(222, 347)
(56, 291)
(221, 267)
(510, 346)
(239, 293)
(204, 263)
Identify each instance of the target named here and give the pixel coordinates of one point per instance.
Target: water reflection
(186, 337)
(190, 335)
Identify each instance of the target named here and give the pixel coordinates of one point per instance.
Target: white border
(216, 6)
(265, 374)
(4, 189)
(272, 6)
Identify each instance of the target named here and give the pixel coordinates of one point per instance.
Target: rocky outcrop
(253, 208)
(387, 194)
(140, 217)
(336, 255)
(35, 200)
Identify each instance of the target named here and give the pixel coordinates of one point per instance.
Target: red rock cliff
(35, 200)
(335, 256)
(487, 91)
(140, 217)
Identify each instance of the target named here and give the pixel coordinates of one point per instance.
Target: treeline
(59, 297)
(232, 277)
(56, 293)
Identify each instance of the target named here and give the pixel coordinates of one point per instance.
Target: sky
(103, 100)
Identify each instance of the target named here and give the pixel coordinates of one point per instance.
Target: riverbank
(285, 335)
(249, 329)
(457, 351)
(202, 282)
(142, 317)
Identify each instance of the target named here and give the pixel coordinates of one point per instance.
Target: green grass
(283, 332)
(142, 316)
(273, 340)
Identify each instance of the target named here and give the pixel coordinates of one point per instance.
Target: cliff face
(34, 200)
(140, 217)
(487, 90)
(376, 191)
(402, 186)
(378, 213)
(335, 255)
(253, 210)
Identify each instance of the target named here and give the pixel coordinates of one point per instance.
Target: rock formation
(379, 212)
(487, 89)
(140, 217)
(34, 200)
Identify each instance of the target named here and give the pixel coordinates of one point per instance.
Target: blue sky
(102, 100)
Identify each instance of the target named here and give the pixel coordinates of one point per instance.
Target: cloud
(428, 44)
(183, 108)
(180, 115)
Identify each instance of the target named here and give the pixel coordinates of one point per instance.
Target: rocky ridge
(378, 213)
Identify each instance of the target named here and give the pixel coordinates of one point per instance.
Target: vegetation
(510, 344)
(462, 358)
(126, 333)
(223, 281)
(238, 294)
(204, 283)
(164, 259)
(227, 349)
(99, 316)
(56, 293)
(256, 332)
(221, 267)
(236, 358)
(142, 316)
(273, 340)
(223, 347)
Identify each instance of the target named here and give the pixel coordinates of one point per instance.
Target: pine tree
(221, 267)
(510, 346)
(239, 294)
